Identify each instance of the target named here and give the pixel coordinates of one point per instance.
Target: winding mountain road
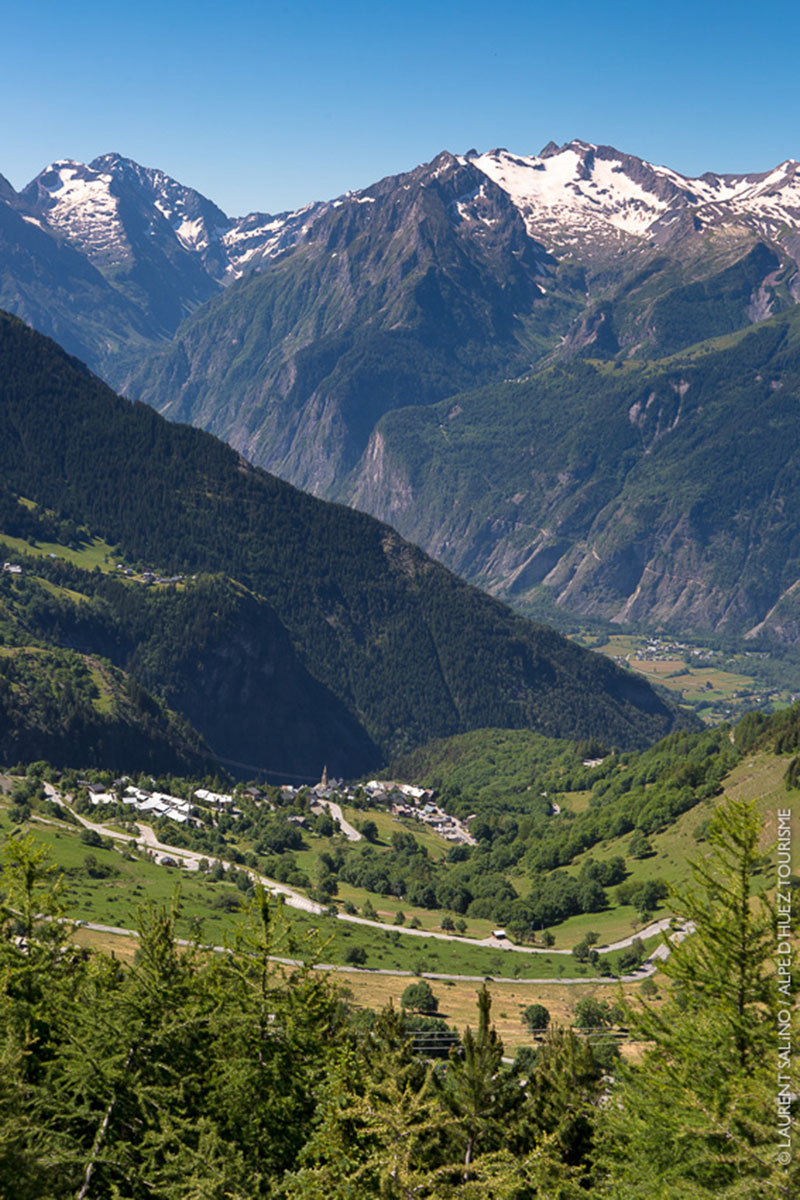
(647, 968)
(147, 840)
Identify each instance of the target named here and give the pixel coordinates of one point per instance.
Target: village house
(218, 798)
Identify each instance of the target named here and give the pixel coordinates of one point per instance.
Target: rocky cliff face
(332, 346)
(644, 493)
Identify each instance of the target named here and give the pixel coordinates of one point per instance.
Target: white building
(207, 797)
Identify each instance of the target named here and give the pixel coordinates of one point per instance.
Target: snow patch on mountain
(260, 236)
(571, 191)
(581, 189)
(78, 202)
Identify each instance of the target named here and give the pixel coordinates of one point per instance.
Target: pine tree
(696, 1118)
(39, 976)
(475, 1085)
(379, 1125)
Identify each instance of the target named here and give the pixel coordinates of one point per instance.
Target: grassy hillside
(599, 846)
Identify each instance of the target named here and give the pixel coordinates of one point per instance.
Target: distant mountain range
(323, 343)
(300, 633)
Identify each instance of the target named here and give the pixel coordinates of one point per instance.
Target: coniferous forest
(322, 635)
(195, 1074)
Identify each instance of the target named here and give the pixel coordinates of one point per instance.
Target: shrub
(419, 997)
(536, 1017)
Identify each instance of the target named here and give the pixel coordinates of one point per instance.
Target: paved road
(191, 859)
(147, 839)
(646, 969)
(347, 829)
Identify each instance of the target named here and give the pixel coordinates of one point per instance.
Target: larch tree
(696, 1118)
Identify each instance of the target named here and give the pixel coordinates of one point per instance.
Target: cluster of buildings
(401, 799)
(12, 568)
(150, 576)
(417, 804)
(659, 650)
(157, 804)
(407, 800)
(441, 822)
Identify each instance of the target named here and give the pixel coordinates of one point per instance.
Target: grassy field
(457, 999)
(95, 553)
(388, 823)
(610, 926)
(575, 802)
(129, 883)
(718, 686)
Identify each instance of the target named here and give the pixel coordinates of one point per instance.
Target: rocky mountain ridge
(324, 343)
(576, 190)
(581, 190)
(165, 248)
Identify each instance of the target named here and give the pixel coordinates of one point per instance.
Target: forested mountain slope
(385, 646)
(633, 491)
(319, 343)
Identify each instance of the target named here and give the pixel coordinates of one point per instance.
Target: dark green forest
(373, 644)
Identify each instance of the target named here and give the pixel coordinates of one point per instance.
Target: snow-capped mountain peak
(578, 190)
(78, 202)
(195, 220)
(582, 188)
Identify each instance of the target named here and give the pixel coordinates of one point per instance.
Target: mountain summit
(580, 191)
(320, 343)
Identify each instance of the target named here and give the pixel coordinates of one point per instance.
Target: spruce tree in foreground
(697, 1117)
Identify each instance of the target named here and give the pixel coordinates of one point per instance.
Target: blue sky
(269, 105)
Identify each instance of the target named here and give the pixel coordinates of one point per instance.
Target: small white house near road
(173, 801)
(134, 795)
(174, 815)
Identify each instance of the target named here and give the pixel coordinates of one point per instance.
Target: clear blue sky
(269, 105)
